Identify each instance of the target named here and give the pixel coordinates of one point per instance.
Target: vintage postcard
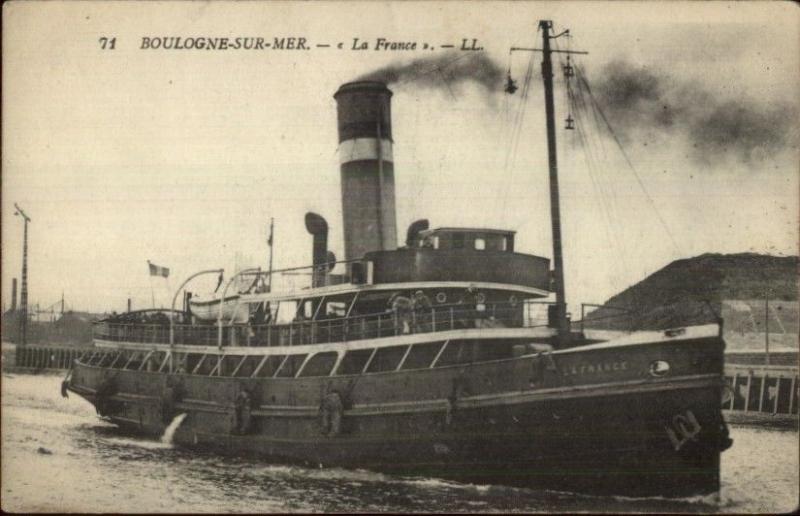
(389, 256)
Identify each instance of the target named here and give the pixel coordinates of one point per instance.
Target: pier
(764, 394)
(33, 358)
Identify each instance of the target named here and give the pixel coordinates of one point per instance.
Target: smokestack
(367, 167)
(14, 294)
(318, 227)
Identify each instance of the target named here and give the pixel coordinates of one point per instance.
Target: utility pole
(766, 327)
(23, 297)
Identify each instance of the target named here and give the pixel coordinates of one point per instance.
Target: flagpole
(270, 243)
(150, 277)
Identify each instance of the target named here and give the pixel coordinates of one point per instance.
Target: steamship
(443, 357)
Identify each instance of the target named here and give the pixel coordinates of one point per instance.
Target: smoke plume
(639, 101)
(446, 72)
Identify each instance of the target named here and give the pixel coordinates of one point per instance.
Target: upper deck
(436, 255)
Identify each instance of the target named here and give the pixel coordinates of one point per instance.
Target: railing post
(452, 326)
(433, 319)
(762, 390)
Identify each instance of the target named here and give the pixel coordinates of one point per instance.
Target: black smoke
(446, 72)
(716, 127)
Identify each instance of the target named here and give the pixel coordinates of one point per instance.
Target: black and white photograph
(400, 257)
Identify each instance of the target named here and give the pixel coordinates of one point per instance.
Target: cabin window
(191, 361)
(308, 309)
(291, 365)
(229, 363)
(480, 244)
(207, 365)
(320, 364)
(286, 312)
(354, 361)
(179, 362)
(154, 362)
(105, 359)
(421, 355)
(335, 309)
(387, 359)
(95, 359)
(248, 366)
(456, 352)
(468, 351)
(504, 244)
(134, 361)
(271, 365)
(119, 361)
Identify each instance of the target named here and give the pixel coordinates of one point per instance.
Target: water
(94, 467)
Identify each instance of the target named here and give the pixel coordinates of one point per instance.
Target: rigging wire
(576, 105)
(514, 140)
(582, 80)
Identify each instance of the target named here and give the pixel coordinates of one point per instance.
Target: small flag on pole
(156, 270)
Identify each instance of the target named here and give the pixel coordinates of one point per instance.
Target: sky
(181, 157)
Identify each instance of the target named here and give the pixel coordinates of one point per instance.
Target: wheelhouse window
(480, 244)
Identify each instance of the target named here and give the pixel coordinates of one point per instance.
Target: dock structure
(42, 358)
(761, 393)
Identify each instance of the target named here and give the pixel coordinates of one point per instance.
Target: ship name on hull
(598, 367)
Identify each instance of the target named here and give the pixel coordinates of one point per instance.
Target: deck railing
(340, 329)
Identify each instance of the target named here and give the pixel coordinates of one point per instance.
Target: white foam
(169, 433)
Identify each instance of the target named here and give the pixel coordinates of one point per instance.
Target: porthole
(441, 297)
(659, 368)
(480, 298)
(512, 300)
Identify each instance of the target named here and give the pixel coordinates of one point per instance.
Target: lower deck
(597, 407)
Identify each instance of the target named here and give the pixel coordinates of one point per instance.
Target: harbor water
(58, 456)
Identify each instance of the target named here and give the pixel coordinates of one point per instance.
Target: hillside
(690, 291)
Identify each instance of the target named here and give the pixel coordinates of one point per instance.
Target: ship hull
(530, 421)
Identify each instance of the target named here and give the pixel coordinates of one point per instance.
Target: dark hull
(621, 432)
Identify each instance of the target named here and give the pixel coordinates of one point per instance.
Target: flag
(156, 270)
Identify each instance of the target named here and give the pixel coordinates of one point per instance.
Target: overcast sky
(181, 157)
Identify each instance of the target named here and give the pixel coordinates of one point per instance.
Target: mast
(555, 211)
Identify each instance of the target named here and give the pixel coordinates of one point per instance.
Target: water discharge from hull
(169, 433)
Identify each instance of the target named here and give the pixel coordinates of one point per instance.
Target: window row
(370, 360)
